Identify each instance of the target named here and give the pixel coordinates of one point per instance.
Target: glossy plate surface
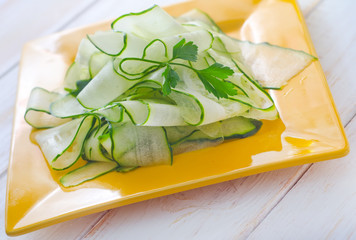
(309, 129)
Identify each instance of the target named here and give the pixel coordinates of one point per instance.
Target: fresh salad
(155, 86)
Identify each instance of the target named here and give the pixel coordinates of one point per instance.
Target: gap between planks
(351, 119)
(94, 224)
(302, 172)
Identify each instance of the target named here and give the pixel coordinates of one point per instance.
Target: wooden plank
(234, 207)
(111, 9)
(7, 99)
(322, 205)
(308, 5)
(72, 229)
(26, 20)
(334, 38)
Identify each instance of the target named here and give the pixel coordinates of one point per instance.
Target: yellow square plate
(309, 129)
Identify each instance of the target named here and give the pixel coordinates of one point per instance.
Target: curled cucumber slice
(110, 43)
(38, 113)
(87, 172)
(62, 145)
(149, 24)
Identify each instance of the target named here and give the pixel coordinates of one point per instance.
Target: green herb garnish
(212, 77)
(171, 79)
(186, 51)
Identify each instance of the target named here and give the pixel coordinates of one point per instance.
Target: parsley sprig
(212, 77)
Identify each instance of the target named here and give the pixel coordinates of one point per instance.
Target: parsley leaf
(186, 51)
(212, 78)
(171, 79)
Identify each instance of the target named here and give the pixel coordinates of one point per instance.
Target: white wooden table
(315, 201)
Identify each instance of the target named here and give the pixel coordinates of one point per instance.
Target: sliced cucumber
(97, 62)
(112, 113)
(125, 169)
(271, 65)
(200, 19)
(156, 50)
(79, 70)
(138, 111)
(239, 127)
(87, 172)
(104, 88)
(93, 150)
(202, 38)
(175, 134)
(262, 105)
(184, 139)
(38, 113)
(62, 145)
(140, 146)
(85, 51)
(73, 75)
(149, 113)
(110, 43)
(149, 24)
(195, 141)
(67, 106)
